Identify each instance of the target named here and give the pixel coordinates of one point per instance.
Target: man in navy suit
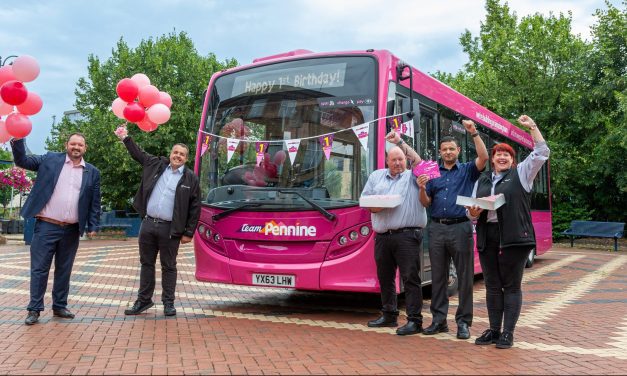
(66, 201)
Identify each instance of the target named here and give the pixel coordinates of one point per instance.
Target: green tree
(174, 66)
(572, 89)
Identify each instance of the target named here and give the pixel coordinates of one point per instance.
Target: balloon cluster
(266, 171)
(141, 103)
(13, 92)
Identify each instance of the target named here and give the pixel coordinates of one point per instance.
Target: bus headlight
(342, 240)
(364, 230)
(216, 238)
(201, 230)
(208, 233)
(353, 235)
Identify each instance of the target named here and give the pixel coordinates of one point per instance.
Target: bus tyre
(531, 258)
(453, 282)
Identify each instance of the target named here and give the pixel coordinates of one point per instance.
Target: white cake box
(488, 203)
(380, 201)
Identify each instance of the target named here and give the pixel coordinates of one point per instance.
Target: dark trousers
(51, 241)
(502, 273)
(402, 251)
(445, 242)
(154, 238)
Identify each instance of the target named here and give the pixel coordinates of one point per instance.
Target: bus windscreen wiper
(323, 211)
(223, 214)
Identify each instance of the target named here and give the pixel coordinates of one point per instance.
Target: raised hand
(422, 181)
(526, 122)
(393, 137)
(121, 132)
(469, 125)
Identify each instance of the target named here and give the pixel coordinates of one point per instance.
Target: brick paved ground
(574, 321)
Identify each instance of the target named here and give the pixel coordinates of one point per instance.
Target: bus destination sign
(314, 77)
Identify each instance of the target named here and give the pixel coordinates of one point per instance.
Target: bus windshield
(255, 118)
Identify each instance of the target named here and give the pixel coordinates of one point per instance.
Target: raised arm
(136, 152)
(29, 162)
(410, 153)
(529, 168)
(424, 198)
(482, 152)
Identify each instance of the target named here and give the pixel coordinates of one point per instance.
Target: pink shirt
(63, 205)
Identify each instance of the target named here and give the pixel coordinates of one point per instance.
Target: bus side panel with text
(278, 212)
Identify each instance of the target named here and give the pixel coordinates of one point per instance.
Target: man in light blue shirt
(161, 202)
(398, 239)
(168, 199)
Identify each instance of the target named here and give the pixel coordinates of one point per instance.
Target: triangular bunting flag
(327, 144)
(407, 128)
(292, 148)
(206, 139)
(231, 146)
(361, 131)
(261, 148)
(395, 122)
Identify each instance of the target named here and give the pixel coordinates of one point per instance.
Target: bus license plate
(279, 280)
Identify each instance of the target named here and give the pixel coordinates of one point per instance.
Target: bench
(113, 231)
(596, 230)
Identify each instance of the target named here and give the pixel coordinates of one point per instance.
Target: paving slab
(574, 321)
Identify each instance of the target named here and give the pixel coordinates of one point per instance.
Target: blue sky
(61, 34)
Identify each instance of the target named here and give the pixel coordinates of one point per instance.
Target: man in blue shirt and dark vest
(450, 231)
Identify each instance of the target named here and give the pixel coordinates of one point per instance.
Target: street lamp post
(3, 62)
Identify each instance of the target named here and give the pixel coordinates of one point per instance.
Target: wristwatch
(400, 142)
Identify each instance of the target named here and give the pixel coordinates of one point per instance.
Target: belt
(450, 221)
(156, 220)
(400, 230)
(54, 221)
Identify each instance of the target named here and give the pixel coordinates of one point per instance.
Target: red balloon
(127, 89)
(31, 105)
(13, 92)
(134, 112)
(148, 95)
(6, 74)
(146, 125)
(18, 125)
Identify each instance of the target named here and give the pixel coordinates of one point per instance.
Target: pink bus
(285, 147)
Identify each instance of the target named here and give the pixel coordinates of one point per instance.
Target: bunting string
(362, 125)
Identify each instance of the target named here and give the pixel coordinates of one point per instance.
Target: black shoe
(435, 328)
(138, 308)
(505, 341)
(462, 330)
(385, 321)
(63, 313)
(412, 327)
(32, 318)
(488, 337)
(168, 309)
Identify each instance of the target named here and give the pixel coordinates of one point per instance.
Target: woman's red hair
(503, 147)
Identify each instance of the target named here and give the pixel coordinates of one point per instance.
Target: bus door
(426, 147)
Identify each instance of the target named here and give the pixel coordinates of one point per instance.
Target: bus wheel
(453, 282)
(531, 258)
